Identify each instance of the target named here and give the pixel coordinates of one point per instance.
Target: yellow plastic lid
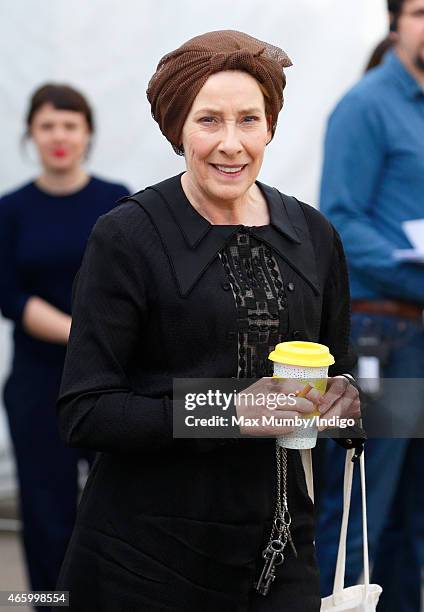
(307, 354)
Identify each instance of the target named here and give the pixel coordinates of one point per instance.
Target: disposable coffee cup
(308, 362)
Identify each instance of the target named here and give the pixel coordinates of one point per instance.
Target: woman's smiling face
(225, 134)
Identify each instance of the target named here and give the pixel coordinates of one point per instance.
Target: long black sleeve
(97, 407)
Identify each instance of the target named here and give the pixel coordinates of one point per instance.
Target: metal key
(273, 555)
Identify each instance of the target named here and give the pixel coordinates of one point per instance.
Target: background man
(373, 180)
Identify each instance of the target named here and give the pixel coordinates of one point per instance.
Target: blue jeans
(395, 493)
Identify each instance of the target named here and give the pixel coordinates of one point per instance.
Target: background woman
(198, 276)
(44, 227)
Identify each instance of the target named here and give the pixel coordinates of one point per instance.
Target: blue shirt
(373, 179)
(42, 241)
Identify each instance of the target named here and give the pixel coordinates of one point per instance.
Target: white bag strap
(364, 521)
(306, 457)
(347, 493)
(341, 556)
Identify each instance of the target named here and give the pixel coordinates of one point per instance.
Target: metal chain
(283, 461)
(281, 477)
(282, 518)
(274, 552)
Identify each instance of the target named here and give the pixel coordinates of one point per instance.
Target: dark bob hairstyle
(61, 97)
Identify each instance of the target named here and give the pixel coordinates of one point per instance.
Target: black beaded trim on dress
(258, 289)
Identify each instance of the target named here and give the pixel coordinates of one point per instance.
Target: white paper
(409, 255)
(368, 367)
(414, 230)
(415, 233)
(369, 373)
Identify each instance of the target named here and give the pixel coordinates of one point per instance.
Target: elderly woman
(198, 276)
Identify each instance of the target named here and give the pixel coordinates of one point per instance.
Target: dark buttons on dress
(297, 334)
(290, 286)
(226, 286)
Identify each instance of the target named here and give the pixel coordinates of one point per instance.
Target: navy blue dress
(42, 241)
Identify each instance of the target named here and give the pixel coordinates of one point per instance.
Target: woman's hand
(263, 405)
(341, 399)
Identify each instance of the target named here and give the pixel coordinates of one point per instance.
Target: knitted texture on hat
(181, 74)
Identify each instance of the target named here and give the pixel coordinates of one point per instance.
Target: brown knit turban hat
(181, 74)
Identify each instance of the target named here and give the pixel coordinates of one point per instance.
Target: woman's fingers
(299, 404)
(282, 394)
(346, 407)
(287, 386)
(338, 387)
(271, 406)
(286, 399)
(312, 394)
(341, 400)
(271, 424)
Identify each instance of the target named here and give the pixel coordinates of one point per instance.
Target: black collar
(184, 232)
(194, 227)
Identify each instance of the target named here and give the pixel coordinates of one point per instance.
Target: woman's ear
(269, 126)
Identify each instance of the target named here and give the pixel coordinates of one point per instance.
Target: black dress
(168, 524)
(262, 321)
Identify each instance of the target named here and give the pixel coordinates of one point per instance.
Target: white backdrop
(110, 48)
